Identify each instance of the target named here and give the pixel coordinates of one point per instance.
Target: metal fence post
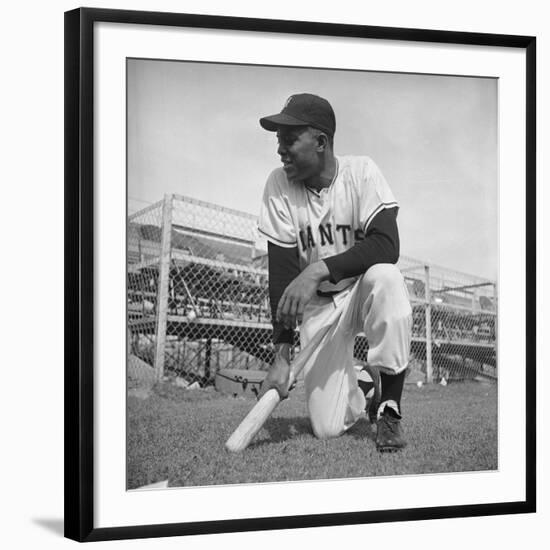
(163, 287)
(429, 366)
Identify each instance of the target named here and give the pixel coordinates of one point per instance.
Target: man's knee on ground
(325, 430)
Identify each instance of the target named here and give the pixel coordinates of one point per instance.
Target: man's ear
(322, 142)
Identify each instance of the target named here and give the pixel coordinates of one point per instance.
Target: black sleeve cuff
(282, 335)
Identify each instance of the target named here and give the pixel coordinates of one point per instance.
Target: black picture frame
(79, 269)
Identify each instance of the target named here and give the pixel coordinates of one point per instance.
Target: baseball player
(330, 223)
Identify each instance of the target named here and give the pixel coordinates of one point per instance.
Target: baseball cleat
(389, 436)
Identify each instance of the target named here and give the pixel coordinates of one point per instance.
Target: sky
(193, 130)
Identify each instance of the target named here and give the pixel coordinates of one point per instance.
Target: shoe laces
(390, 422)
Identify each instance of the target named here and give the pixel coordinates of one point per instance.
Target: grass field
(179, 435)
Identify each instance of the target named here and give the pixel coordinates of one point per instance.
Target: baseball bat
(261, 411)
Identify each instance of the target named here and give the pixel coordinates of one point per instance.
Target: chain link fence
(454, 322)
(197, 290)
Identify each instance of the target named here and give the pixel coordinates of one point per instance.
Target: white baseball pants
(376, 304)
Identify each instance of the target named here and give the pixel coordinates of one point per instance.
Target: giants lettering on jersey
(326, 235)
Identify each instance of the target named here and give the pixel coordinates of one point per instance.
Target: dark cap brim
(272, 123)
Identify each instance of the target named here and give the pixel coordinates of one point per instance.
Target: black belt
(328, 294)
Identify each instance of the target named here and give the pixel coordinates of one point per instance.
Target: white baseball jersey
(327, 222)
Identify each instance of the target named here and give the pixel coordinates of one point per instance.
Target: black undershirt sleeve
(283, 268)
(380, 246)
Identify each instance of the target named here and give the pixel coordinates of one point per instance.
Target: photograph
(312, 274)
(290, 275)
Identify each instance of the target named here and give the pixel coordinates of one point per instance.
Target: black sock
(392, 387)
(366, 387)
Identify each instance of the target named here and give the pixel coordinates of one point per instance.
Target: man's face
(299, 152)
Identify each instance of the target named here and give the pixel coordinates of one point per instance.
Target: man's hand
(279, 372)
(299, 292)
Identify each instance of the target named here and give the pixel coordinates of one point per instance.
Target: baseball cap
(303, 110)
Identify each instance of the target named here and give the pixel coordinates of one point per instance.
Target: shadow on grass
(285, 429)
(362, 429)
